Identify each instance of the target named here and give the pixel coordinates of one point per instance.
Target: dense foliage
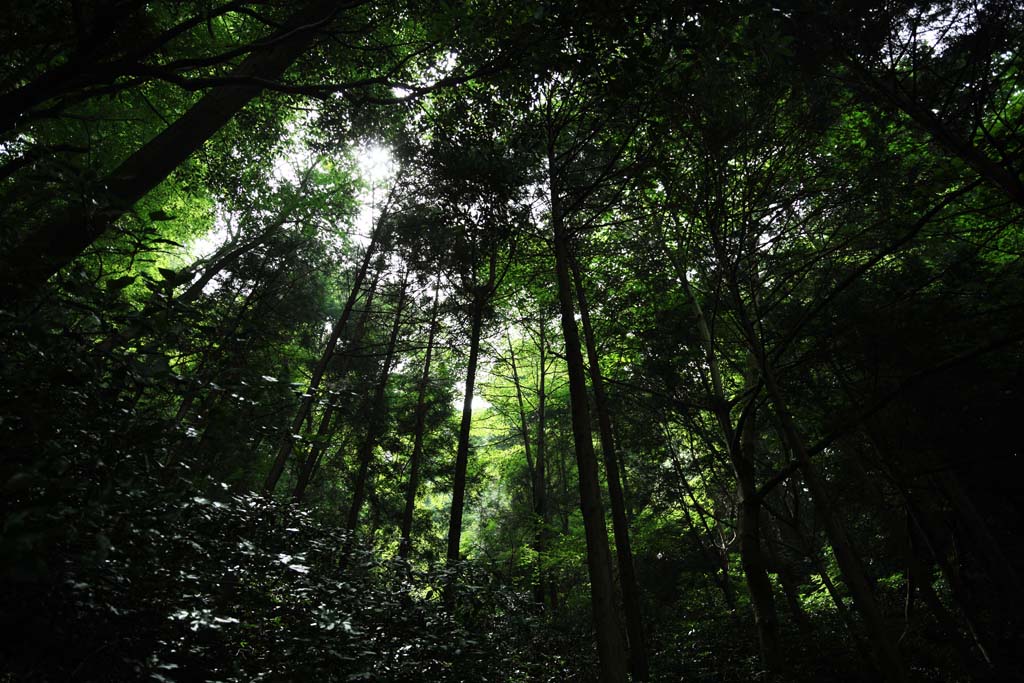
(511, 341)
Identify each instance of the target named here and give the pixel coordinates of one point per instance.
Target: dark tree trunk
(324, 431)
(59, 239)
(887, 657)
(755, 567)
(417, 447)
(620, 525)
(462, 450)
(787, 579)
(610, 646)
(536, 485)
(285, 449)
(376, 425)
(741, 456)
(541, 509)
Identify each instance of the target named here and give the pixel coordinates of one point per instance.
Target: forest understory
(511, 341)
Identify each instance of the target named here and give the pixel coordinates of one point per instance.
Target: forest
(512, 340)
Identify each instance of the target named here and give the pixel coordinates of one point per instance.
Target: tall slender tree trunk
(324, 431)
(541, 510)
(787, 579)
(524, 429)
(610, 646)
(417, 447)
(752, 557)
(462, 450)
(887, 657)
(376, 425)
(620, 524)
(741, 456)
(306, 404)
(58, 239)
(536, 481)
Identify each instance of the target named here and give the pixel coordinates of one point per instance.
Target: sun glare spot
(375, 163)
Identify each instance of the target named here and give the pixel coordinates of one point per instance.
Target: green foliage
(798, 227)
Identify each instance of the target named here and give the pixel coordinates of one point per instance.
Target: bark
(376, 425)
(60, 238)
(755, 567)
(620, 524)
(610, 646)
(921, 530)
(462, 450)
(324, 430)
(306, 404)
(417, 448)
(524, 430)
(887, 657)
(541, 509)
(536, 485)
(563, 481)
(811, 552)
(741, 456)
(789, 582)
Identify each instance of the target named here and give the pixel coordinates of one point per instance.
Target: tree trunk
(741, 456)
(755, 568)
(524, 430)
(417, 447)
(620, 525)
(462, 451)
(285, 449)
(376, 424)
(610, 646)
(541, 510)
(887, 657)
(324, 431)
(61, 238)
(536, 479)
(787, 579)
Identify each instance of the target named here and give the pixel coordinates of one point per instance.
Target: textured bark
(58, 239)
(611, 649)
(620, 524)
(417, 447)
